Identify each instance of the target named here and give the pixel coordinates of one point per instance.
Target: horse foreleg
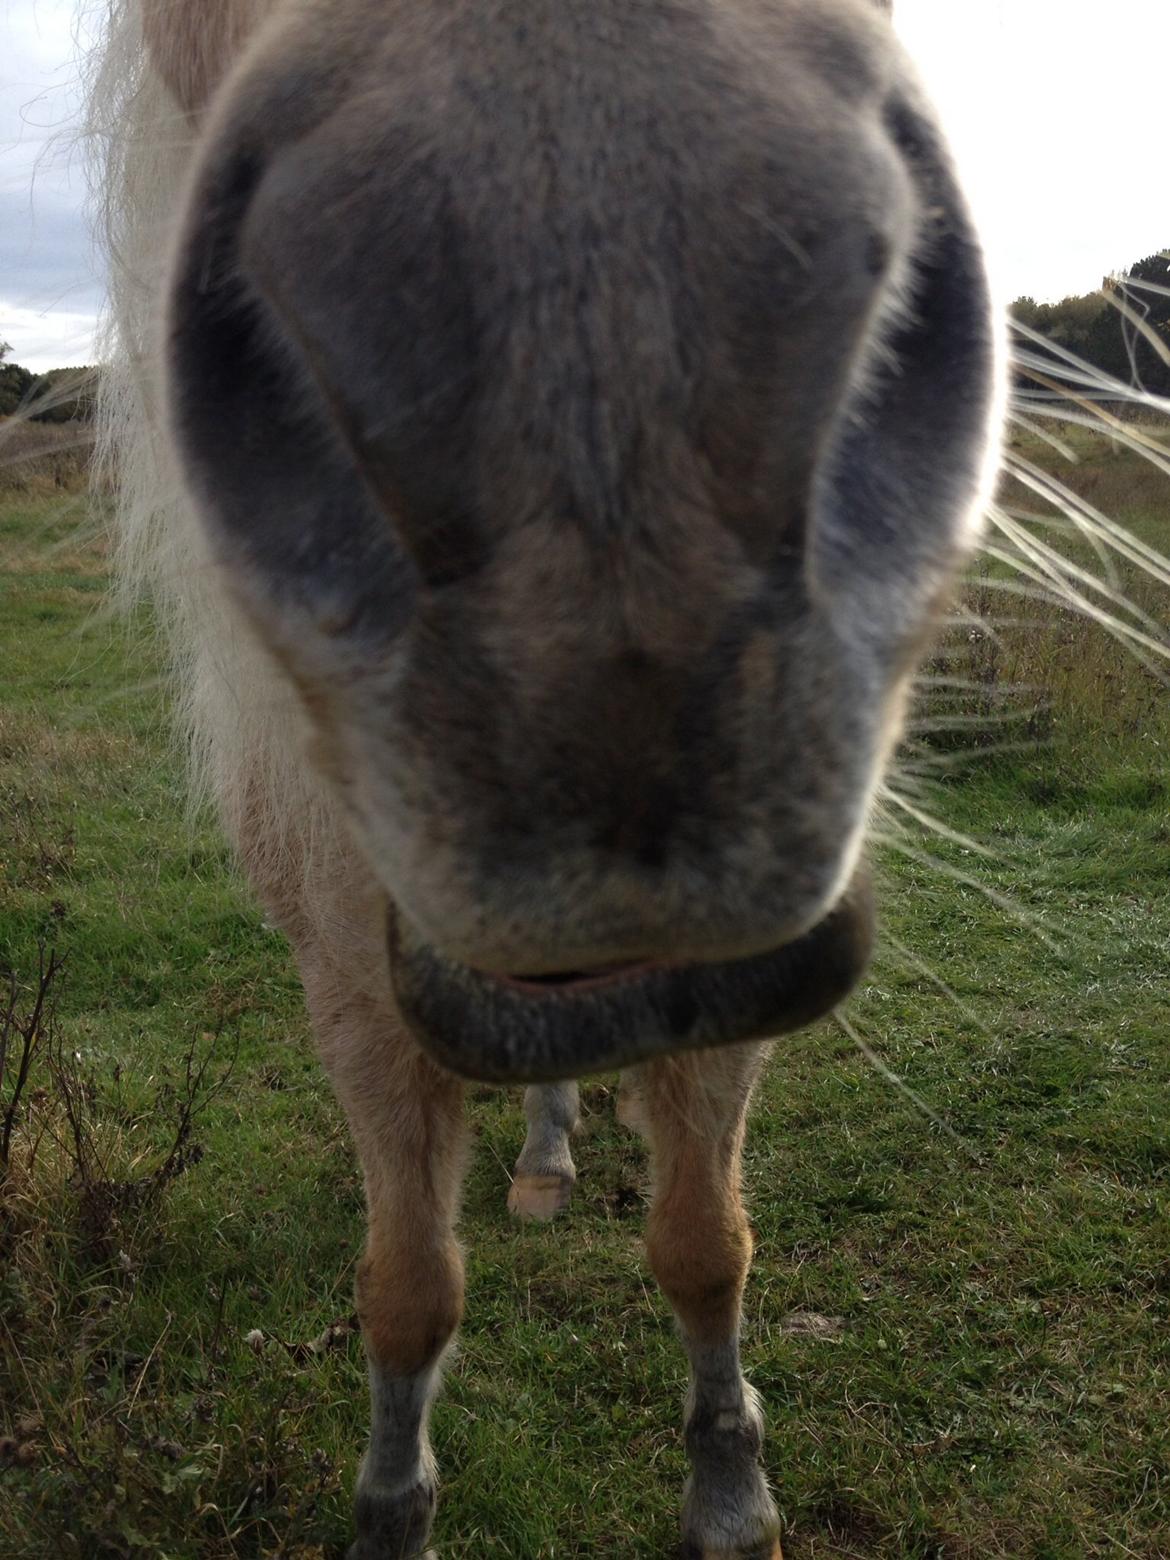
(407, 1121)
(700, 1248)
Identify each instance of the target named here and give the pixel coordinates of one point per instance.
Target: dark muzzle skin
(496, 1031)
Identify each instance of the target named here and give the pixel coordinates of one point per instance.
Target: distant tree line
(61, 395)
(1096, 329)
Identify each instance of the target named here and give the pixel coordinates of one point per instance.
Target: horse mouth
(579, 980)
(540, 1028)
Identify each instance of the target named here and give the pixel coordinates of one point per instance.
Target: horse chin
(500, 1029)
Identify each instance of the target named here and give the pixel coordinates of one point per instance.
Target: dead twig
(21, 1036)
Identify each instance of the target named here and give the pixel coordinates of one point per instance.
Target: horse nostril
(395, 350)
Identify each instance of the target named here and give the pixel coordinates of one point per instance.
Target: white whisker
(1025, 918)
(934, 825)
(903, 1088)
(912, 961)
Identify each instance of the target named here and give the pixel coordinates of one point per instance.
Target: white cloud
(47, 338)
(50, 292)
(1057, 110)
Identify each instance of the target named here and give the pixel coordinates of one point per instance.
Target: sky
(1058, 110)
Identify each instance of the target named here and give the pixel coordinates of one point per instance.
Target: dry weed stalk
(22, 1035)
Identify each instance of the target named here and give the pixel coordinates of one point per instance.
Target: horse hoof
(539, 1197)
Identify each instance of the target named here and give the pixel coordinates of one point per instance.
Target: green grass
(994, 1376)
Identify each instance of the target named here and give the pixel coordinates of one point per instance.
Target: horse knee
(701, 1265)
(410, 1304)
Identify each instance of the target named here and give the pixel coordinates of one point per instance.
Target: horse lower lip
(497, 1030)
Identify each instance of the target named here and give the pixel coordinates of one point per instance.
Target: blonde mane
(141, 144)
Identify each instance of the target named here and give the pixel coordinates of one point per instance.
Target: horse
(550, 432)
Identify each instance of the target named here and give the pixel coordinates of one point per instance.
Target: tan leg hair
(630, 1111)
(407, 1121)
(697, 1237)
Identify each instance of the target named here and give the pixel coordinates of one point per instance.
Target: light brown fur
(697, 1236)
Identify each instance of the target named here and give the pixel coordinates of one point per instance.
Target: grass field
(961, 1341)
